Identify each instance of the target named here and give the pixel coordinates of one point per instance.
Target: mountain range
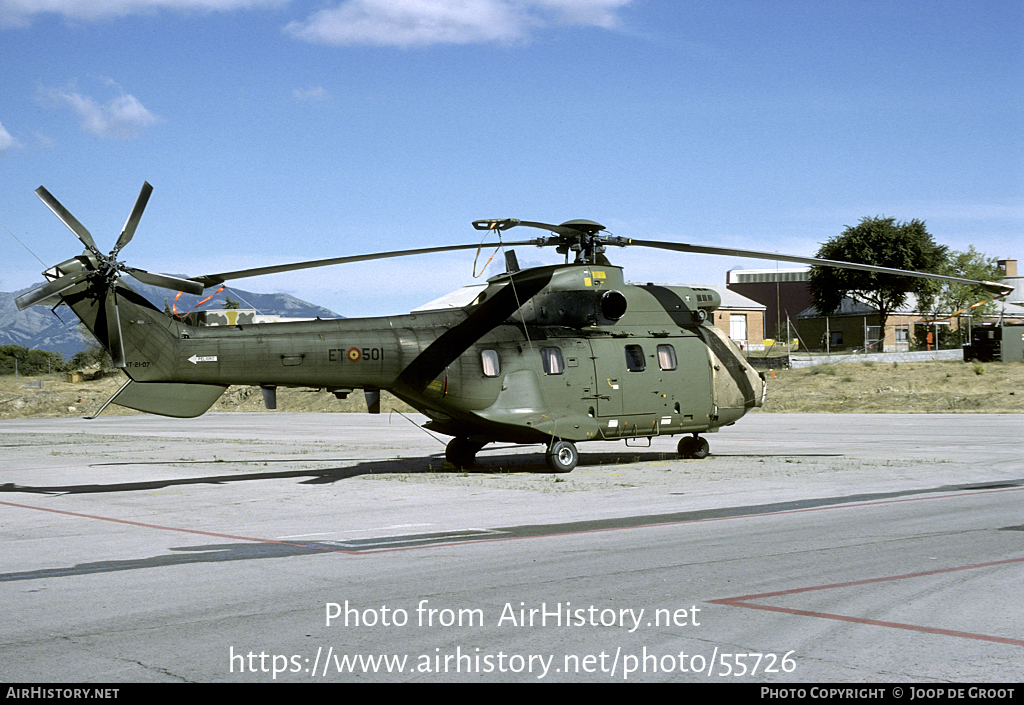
(58, 331)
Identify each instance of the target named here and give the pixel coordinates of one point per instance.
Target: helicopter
(550, 355)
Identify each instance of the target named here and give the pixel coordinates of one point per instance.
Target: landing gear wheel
(461, 452)
(694, 448)
(562, 456)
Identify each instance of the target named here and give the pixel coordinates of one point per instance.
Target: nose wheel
(693, 448)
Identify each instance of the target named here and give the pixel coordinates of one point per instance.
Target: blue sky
(284, 130)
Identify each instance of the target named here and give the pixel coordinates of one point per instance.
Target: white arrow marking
(195, 359)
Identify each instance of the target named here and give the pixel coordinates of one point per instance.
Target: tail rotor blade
(69, 220)
(114, 342)
(128, 232)
(47, 290)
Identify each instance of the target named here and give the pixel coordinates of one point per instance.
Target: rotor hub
(580, 236)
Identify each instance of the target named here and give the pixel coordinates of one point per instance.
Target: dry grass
(22, 398)
(918, 387)
(904, 387)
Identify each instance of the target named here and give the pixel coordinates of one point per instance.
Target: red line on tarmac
(177, 529)
(745, 601)
(555, 533)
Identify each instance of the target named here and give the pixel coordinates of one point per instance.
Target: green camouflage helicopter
(550, 355)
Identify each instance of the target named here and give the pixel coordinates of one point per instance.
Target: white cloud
(21, 12)
(122, 117)
(404, 23)
(315, 94)
(409, 23)
(44, 141)
(600, 13)
(6, 140)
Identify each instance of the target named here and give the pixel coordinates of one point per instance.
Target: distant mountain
(36, 327)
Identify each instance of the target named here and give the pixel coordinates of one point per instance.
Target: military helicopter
(552, 355)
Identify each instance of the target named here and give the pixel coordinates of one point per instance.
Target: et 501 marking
(355, 354)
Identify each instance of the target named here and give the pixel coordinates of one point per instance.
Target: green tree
(881, 242)
(93, 356)
(953, 299)
(29, 362)
(230, 303)
(969, 265)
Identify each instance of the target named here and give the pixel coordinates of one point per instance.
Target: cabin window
(553, 364)
(491, 363)
(635, 358)
(666, 357)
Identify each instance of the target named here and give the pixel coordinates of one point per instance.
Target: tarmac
(276, 547)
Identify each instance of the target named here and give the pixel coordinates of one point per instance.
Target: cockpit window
(635, 358)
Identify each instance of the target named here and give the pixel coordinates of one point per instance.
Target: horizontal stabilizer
(180, 400)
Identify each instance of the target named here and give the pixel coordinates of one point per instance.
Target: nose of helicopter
(738, 391)
(736, 386)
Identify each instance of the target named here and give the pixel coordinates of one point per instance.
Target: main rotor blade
(128, 232)
(993, 287)
(214, 279)
(114, 342)
(166, 281)
(506, 223)
(69, 220)
(57, 286)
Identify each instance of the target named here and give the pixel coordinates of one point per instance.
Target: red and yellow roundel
(354, 355)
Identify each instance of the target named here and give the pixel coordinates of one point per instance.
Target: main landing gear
(561, 456)
(693, 447)
(461, 452)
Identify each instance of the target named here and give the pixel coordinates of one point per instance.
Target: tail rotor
(103, 270)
